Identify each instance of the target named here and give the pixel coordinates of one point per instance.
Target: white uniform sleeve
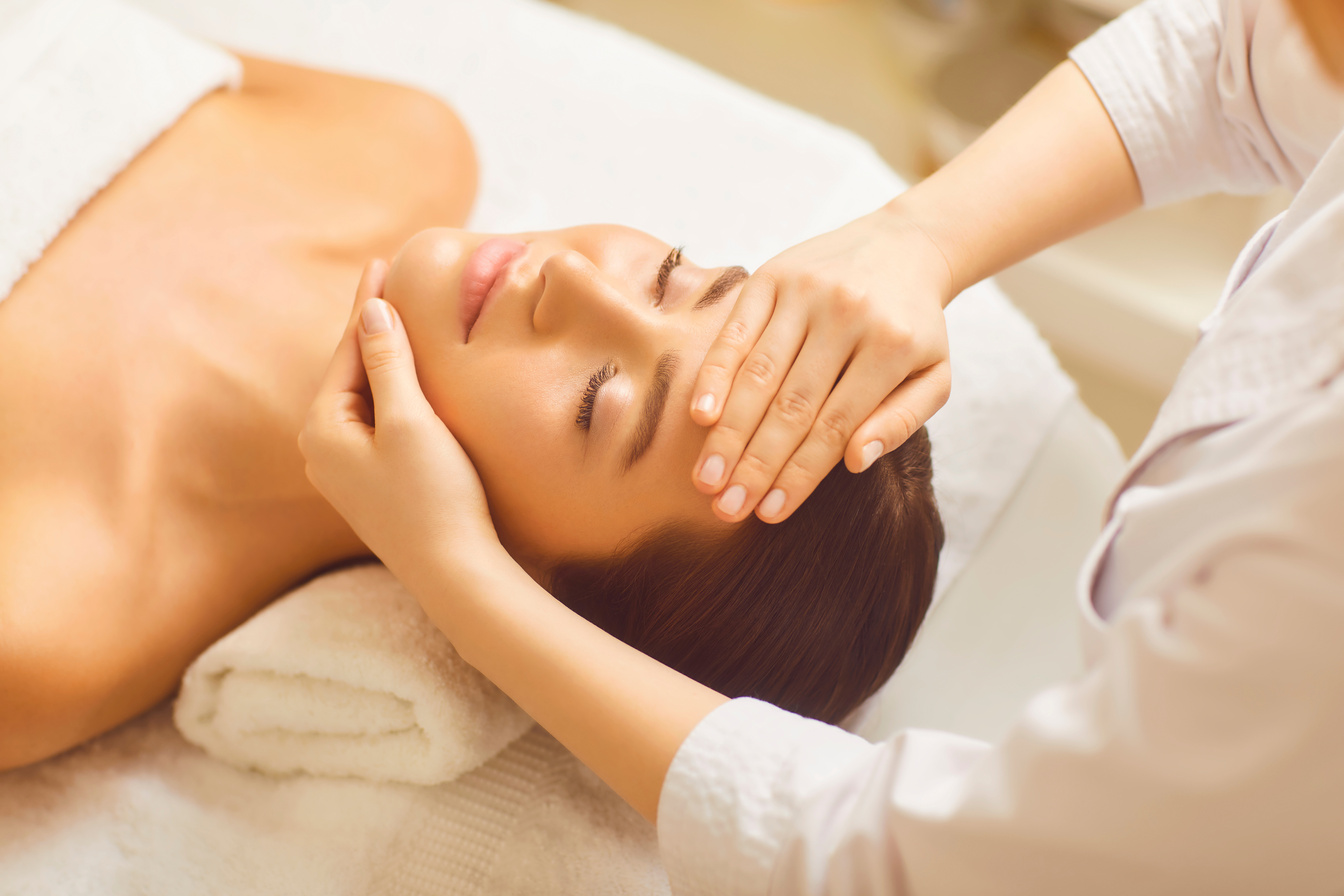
(1213, 96)
(1199, 754)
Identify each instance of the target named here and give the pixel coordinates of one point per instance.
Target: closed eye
(670, 263)
(588, 399)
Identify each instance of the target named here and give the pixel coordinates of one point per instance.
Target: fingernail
(711, 471)
(871, 452)
(705, 403)
(730, 502)
(773, 502)
(376, 316)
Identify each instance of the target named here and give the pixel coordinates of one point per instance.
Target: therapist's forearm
(1052, 167)
(621, 713)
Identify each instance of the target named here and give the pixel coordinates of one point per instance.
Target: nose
(577, 294)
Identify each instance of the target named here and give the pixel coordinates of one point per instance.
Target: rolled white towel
(345, 676)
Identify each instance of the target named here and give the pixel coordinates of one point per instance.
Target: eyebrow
(655, 401)
(719, 288)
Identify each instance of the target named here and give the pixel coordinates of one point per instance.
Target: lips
(481, 274)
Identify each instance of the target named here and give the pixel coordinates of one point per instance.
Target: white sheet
(574, 122)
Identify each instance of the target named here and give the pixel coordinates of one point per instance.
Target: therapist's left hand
(836, 349)
(378, 452)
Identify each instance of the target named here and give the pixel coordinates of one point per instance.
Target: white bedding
(573, 121)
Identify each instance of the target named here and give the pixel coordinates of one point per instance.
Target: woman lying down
(158, 361)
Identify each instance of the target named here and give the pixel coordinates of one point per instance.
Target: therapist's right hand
(836, 348)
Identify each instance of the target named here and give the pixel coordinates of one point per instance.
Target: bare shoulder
(405, 141)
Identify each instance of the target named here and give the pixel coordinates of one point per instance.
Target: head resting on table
(562, 362)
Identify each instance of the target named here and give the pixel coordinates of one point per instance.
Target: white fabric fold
(85, 85)
(345, 676)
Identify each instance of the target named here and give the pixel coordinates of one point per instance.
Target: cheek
(515, 428)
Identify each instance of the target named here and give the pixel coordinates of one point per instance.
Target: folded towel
(345, 676)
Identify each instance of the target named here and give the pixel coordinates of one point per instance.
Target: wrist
(920, 235)
(464, 580)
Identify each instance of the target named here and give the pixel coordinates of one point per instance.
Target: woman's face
(563, 362)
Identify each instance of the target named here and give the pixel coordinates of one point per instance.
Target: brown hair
(812, 614)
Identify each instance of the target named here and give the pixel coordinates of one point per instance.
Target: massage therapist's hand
(836, 348)
(391, 467)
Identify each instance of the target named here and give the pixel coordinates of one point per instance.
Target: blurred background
(920, 79)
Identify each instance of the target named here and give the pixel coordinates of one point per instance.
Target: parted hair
(812, 614)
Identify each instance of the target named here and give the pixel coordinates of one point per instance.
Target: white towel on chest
(345, 676)
(85, 85)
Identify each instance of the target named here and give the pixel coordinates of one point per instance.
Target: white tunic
(1203, 749)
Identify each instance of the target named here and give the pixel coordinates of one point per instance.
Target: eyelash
(585, 418)
(665, 270)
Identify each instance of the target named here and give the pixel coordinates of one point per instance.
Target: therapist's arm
(621, 713)
(1052, 167)
(1162, 105)
(1165, 98)
(837, 347)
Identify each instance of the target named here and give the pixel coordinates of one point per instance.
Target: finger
(371, 282)
(744, 326)
(900, 415)
(788, 419)
(861, 389)
(345, 372)
(389, 364)
(754, 388)
(342, 395)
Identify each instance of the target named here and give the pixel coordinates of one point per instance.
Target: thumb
(388, 362)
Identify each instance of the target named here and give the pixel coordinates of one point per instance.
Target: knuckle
(811, 282)
(834, 428)
(850, 303)
(798, 478)
(753, 468)
(768, 275)
(793, 408)
(903, 423)
(892, 336)
(381, 358)
(735, 335)
(713, 371)
(725, 438)
(758, 370)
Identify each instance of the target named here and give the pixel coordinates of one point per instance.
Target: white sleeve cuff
(730, 798)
